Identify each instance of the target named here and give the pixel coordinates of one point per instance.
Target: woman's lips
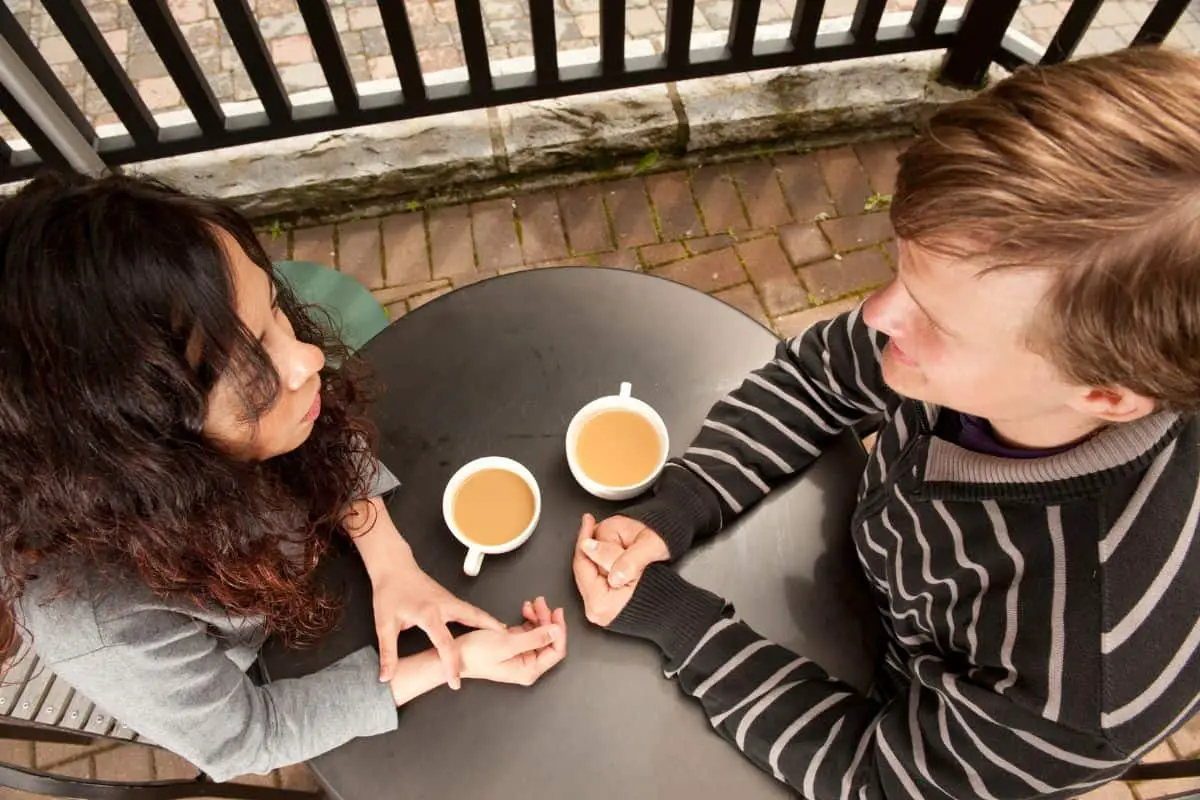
(314, 411)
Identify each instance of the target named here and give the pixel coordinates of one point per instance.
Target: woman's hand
(405, 597)
(517, 655)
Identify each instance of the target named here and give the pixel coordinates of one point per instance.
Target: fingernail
(590, 545)
(541, 599)
(552, 632)
(617, 579)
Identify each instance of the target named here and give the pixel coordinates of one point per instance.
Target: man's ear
(1113, 404)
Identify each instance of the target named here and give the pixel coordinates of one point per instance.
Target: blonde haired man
(1028, 517)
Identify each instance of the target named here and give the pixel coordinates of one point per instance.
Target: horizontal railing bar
(461, 96)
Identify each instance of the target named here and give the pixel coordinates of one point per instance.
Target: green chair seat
(355, 312)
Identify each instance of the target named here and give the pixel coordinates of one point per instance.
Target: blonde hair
(1091, 169)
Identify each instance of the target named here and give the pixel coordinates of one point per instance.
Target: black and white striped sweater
(1042, 615)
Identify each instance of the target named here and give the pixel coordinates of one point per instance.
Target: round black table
(499, 368)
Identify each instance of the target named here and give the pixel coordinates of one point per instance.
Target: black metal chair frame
(47, 783)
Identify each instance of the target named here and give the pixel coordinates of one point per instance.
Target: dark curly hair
(117, 317)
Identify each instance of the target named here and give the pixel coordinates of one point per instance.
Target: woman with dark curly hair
(179, 444)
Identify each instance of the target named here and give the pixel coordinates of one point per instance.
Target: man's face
(959, 338)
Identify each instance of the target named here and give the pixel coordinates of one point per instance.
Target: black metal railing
(57, 132)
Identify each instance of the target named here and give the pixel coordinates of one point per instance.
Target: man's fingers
(587, 527)
(388, 657)
(630, 565)
(602, 554)
(528, 614)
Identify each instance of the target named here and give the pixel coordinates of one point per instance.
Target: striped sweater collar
(1109, 455)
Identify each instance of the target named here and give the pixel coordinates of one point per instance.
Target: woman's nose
(304, 361)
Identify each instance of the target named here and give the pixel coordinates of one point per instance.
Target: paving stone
(542, 235)
(1110, 791)
(879, 160)
(450, 241)
(1186, 740)
(584, 219)
(761, 193)
(314, 244)
(291, 50)
(495, 230)
(854, 232)
(772, 276)
(630, 212)
(673, 205)
(710, 272)
(852, 273)
(276, 244)
(19, 754)
(656, 254)
(416, 302)
(744, 299)
(360, 252)
(618, 259)
(804, 243)
(131, 762)
(707, 243)
(804, 186)
(719, 201)
(844, 176)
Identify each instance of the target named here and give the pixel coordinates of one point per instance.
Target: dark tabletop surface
(499, 368)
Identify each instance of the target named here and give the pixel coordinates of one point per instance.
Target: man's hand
(622, 548)
(601, 602)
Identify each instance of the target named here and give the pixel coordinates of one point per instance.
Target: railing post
(45, 114)
(980, 34)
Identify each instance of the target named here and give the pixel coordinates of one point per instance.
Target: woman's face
(289, 420)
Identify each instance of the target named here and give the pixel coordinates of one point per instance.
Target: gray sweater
(176, 674)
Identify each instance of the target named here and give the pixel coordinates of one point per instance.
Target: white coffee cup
(475, 550)
(623, 401)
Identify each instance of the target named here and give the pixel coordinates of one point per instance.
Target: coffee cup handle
(474, 562)
(626, 389)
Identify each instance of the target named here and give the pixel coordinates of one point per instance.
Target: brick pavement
(787, 239)
(435, 32)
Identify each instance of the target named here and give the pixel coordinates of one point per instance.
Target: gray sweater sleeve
(164, 675)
